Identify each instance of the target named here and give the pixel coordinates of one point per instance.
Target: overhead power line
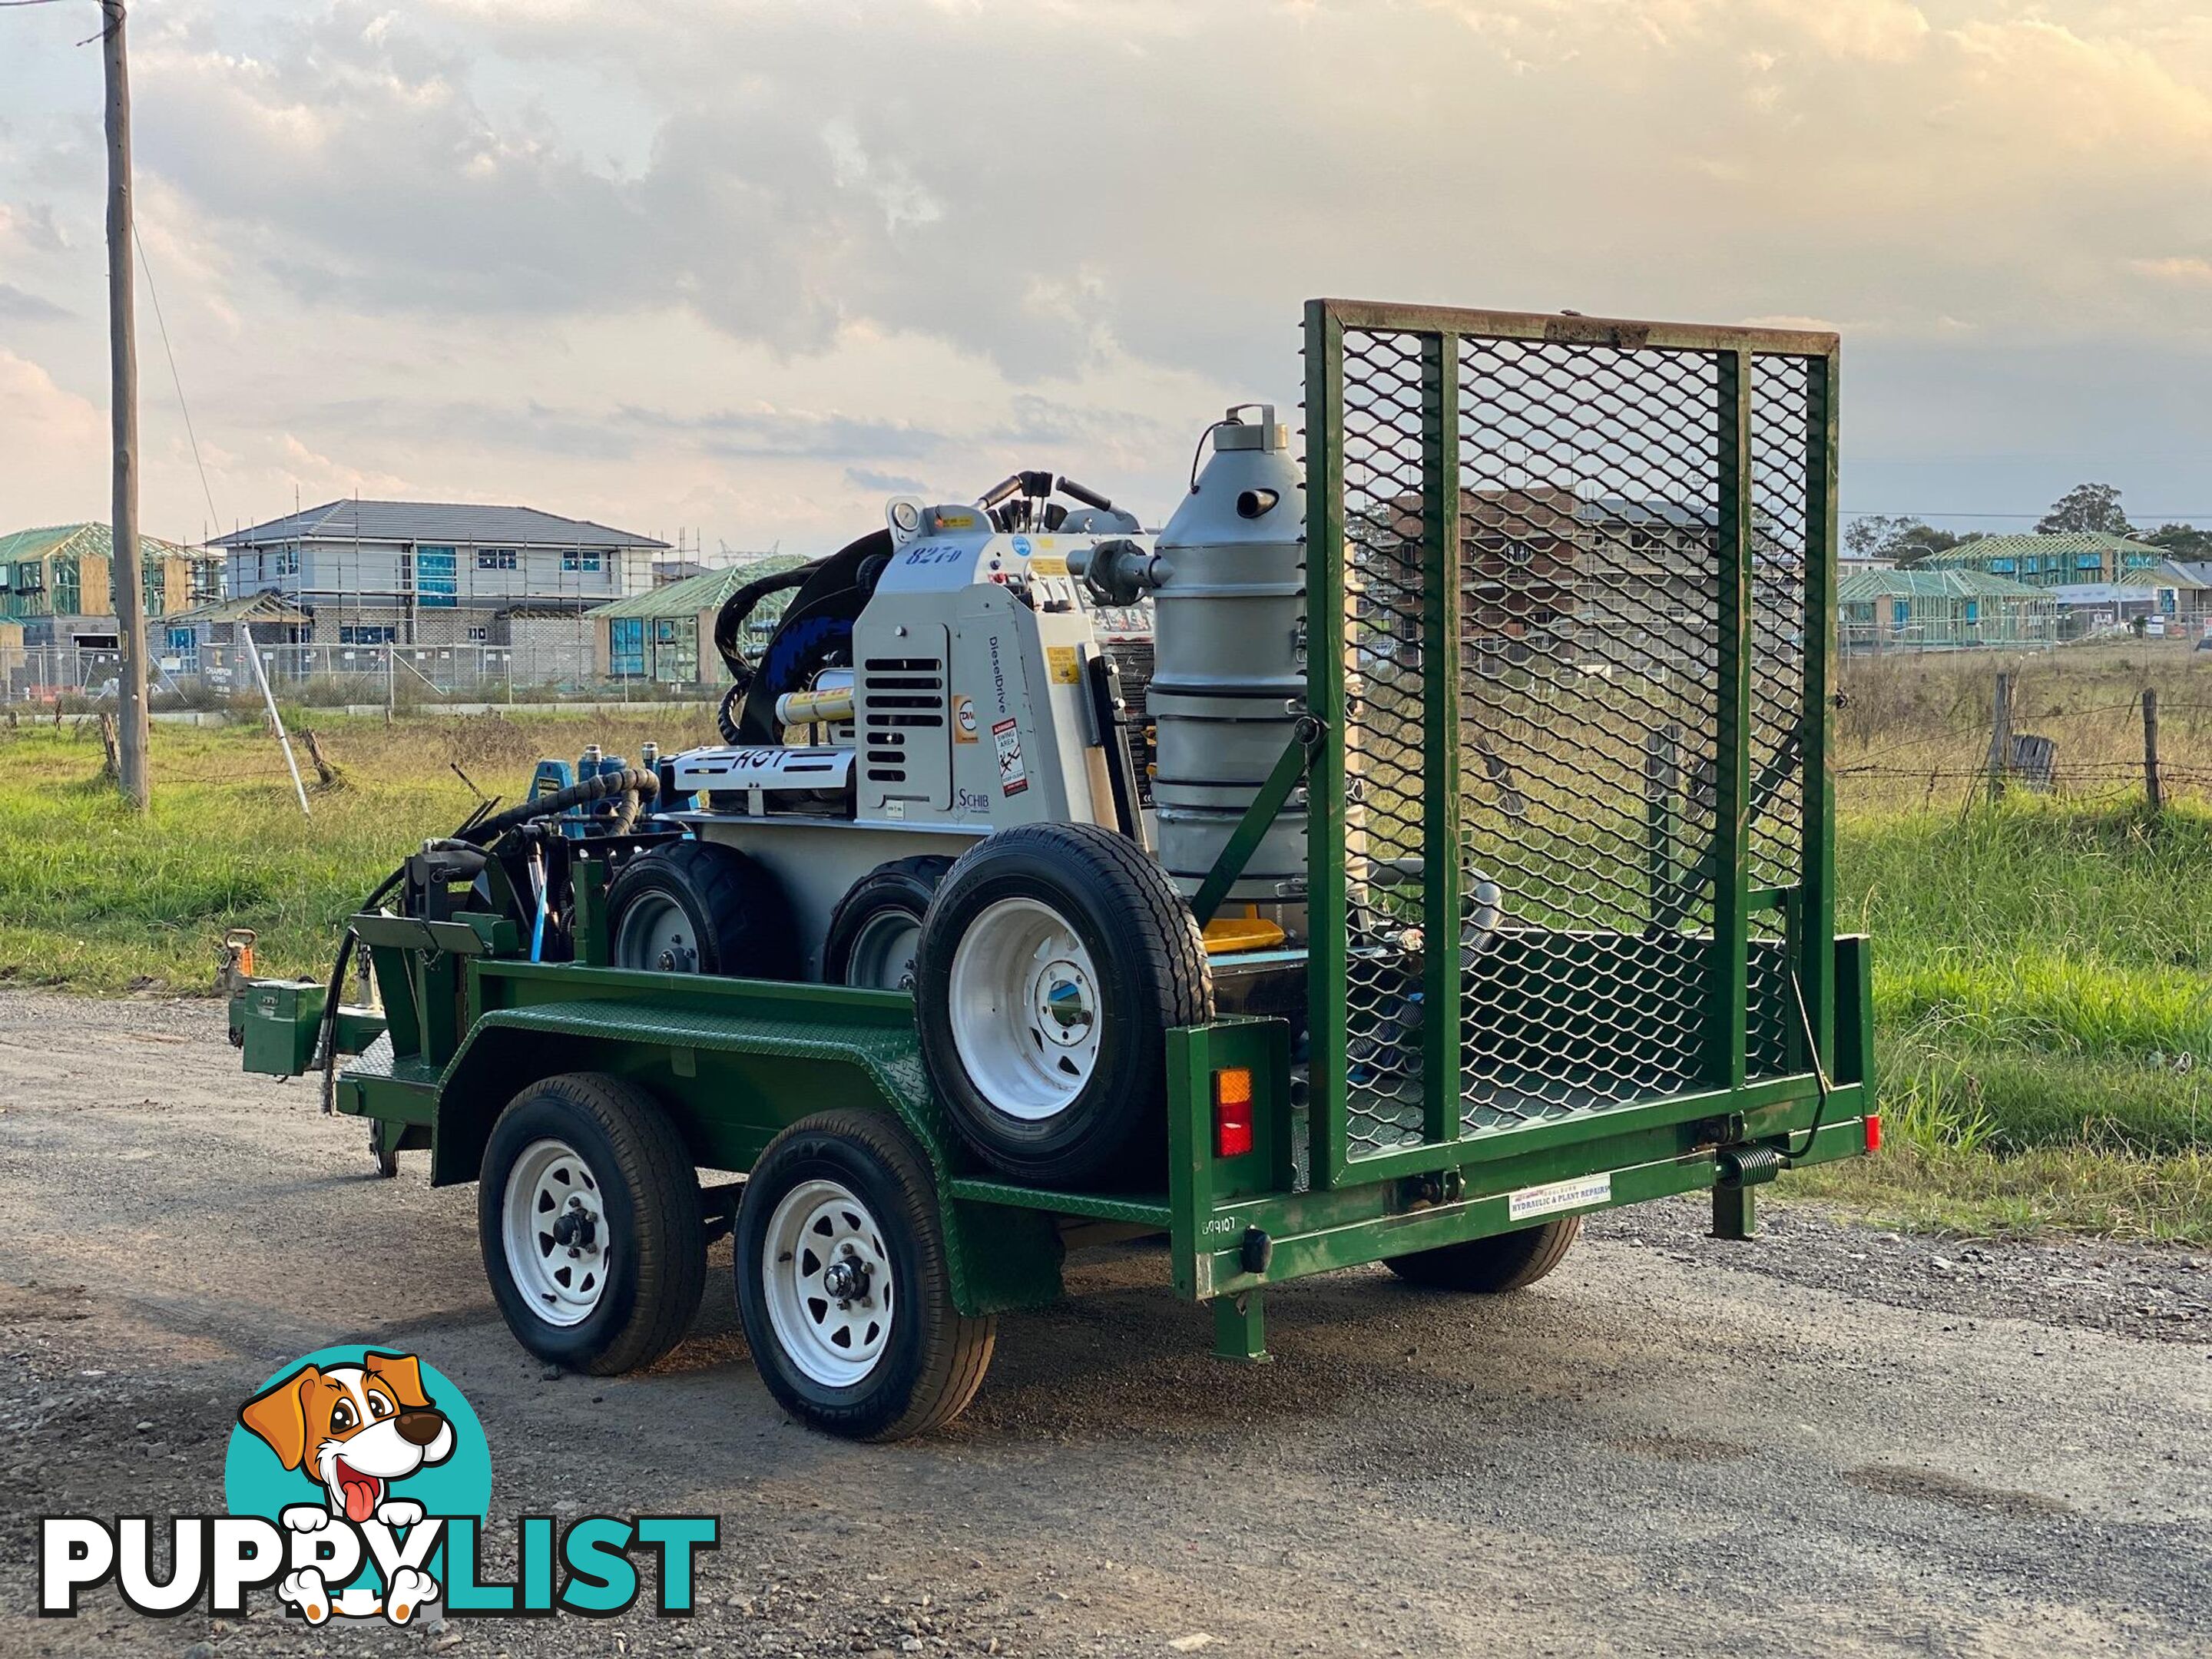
(175, 380)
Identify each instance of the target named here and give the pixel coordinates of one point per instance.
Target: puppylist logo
(358, 1484)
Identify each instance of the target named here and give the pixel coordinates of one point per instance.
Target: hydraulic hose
(630, 780)
(739, 608)
(634, 783)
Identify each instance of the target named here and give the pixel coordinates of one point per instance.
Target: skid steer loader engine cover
(947, 670)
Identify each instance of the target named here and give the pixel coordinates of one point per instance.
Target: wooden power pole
(123, 357)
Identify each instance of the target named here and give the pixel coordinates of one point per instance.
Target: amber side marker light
(1232, 1111)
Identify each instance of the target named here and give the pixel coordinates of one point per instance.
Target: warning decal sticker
(1013, 778)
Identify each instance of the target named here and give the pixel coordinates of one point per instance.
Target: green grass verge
(2043, 1005)
(2043, 972)
(94, 898)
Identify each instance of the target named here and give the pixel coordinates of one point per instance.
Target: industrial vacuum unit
(1390, 860)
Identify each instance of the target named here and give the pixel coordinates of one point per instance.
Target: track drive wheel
(875, 933)
(1054, 958)
(1491, 1266)
(590, 1219)
(844, 1284)
(696, 906)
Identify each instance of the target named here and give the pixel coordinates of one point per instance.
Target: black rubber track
(1120, 1135)
(739, 913)
(1493, 1266)
(936, 1356)
(651, 1190)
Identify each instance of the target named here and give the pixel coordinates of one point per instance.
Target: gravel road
(1835, 1440)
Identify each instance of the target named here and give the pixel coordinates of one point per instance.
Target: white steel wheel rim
(1025, 1009)
(560, 1248)
(827, 1280)
(656, 935)
(884, 951)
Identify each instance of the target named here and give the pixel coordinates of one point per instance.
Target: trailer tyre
(844, 1282)
(1054, 959)
(875, 933)
(593, 1233)
(693, 907)
(1493, 1266)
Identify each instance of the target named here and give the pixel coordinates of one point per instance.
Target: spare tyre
(694, 907)
(1053, 959)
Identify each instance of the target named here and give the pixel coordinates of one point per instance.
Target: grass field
(2044, 967)
(92, 899)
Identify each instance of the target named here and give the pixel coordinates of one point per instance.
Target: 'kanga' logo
(358, 1481)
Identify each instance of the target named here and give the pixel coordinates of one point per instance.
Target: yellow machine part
(1250, 932)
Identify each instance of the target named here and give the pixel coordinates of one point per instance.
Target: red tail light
(1232, 1112)
(1874, 1131)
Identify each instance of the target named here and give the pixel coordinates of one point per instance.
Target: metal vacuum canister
(1229, 673)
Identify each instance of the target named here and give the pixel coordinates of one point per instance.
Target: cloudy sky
(740, 267)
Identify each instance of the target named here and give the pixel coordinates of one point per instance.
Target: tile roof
(461, 524)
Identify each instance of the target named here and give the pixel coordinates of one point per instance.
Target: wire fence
(2150, 746)
(559, 664)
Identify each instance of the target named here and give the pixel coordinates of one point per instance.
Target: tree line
(2087, 507)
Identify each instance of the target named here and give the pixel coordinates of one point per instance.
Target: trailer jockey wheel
(1054, 958)
(1493, 1266)
(692, 907)
(387, 1160)
(875, 933)
(589, 1216)
(844, 1283)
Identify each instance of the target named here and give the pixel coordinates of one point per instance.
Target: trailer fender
(730, 1085)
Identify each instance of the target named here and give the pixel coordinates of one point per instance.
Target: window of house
(626, 647)
(184, 642)
(437, 577)
(495, 558)
(1973, 611)
(2002, 567)
(368, 634)
(2088, 561)
(479, 636)
(676, 649)
(586, 563)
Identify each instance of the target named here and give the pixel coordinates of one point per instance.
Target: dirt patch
(1934, 1487)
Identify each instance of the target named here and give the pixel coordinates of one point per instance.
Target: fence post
(2153, 792)
(2001, 736)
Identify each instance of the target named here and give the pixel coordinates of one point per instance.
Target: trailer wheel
(875, 933)
(1491, 1266)
(844, 1283)
(1054, 960)
(693, 907)
(590, 1218)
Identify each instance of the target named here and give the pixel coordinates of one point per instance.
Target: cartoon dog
(355, 1429)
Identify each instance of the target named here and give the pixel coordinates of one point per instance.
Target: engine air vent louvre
(899, 693)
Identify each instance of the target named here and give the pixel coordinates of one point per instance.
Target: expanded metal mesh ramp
(1574, 690)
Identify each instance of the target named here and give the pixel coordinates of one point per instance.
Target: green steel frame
(467, 1023)
(1737, 353)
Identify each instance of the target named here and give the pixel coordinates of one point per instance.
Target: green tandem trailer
(1564, 937)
